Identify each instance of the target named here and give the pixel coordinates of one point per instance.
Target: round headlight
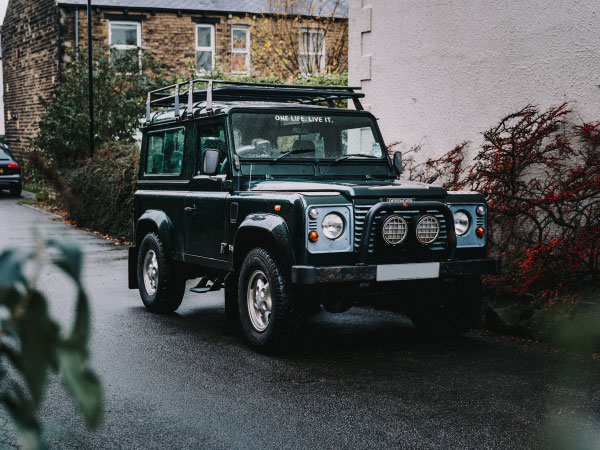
(332, 226)
(428, 229)
(461, 222)
(394, 230)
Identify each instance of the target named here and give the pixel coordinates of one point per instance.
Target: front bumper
(309, 275)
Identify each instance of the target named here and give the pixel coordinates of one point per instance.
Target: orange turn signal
(480, 231)
(313, 236)
(277, 207)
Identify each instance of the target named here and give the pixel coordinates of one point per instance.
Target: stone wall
(38, 39)
(170, 36)
(30, 64)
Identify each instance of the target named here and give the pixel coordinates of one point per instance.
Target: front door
(206, 203)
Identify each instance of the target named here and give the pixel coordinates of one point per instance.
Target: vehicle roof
(199, 109)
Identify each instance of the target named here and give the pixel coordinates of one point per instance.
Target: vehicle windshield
(4, 154)
(306, 136)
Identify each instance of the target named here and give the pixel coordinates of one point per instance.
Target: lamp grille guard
(422, 207)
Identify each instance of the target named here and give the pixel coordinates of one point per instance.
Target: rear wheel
(270, 315)
(16, 189)
(161, 287)
(451, 309)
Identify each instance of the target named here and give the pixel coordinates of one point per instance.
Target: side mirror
(210, 162)
(398, 163)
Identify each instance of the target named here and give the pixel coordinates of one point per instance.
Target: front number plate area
(420, 271)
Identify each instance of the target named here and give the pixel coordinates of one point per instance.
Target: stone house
(40, 37)
(439, 72)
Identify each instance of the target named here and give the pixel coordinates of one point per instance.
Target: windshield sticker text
(304, 119)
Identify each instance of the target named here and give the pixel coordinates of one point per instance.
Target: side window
(165, 152)
(212, 136)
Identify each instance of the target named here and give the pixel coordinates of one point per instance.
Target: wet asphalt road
(363, 379)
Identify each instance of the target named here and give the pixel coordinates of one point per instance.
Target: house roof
(323, 8)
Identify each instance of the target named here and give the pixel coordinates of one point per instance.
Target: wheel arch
(155, 221)
(151, 221)
(264, 230)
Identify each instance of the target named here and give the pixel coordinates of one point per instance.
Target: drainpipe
(77, 33)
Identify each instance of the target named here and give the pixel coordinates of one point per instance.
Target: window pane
(239, 39)
(124, 35)
(204, 37)
(173, 156)
(212, 136)
(204, 60)
(360, 141)
(304, 42)
(154, 164)
(165, 153)
(238, 62)
(318, 135)
(317, 43)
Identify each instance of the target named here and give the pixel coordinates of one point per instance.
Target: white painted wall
(437, 72)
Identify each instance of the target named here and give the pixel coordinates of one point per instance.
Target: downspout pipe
(77, 33)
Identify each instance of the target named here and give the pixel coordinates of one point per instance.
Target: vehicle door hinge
(226, 248)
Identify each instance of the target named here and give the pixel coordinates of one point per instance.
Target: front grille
(361, 210)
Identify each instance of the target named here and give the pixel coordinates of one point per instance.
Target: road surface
(362, 379)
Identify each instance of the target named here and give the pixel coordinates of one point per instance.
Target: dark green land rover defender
(289, 203)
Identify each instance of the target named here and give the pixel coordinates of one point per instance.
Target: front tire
(270, 314)
(451, 309)
(160, 286)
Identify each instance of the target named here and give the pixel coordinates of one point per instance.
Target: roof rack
(179, 94)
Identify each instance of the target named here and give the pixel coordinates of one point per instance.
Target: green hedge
(100, 192)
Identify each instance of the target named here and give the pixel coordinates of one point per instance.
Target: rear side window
(165, 152)
(4, 154)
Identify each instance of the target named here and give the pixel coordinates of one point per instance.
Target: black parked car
(289, 201)
(10, 172)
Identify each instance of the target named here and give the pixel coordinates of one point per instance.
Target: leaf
(11, 266)
(39, 338)
(83, 385)
(70, 259)
(18, 404)
(80, 333)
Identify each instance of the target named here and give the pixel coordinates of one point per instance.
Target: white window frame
(246, 51)
(205, 49)
(138, 26)
(310, 52)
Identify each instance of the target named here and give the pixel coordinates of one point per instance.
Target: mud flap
(132, 267)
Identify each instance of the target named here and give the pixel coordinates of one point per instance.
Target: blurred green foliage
(32, 344)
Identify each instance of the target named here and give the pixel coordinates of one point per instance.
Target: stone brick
(44, 35)
(30, 48)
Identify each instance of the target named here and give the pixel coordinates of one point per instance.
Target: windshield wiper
(293, 151)
(362, 155)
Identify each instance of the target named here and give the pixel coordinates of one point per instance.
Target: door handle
(190, 209)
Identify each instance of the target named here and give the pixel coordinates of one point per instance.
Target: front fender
(277, 229)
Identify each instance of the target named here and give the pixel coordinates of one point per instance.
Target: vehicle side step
(207, 284)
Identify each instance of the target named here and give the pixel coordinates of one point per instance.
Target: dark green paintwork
(208, 235)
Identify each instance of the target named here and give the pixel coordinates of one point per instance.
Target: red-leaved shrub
(541, 177)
